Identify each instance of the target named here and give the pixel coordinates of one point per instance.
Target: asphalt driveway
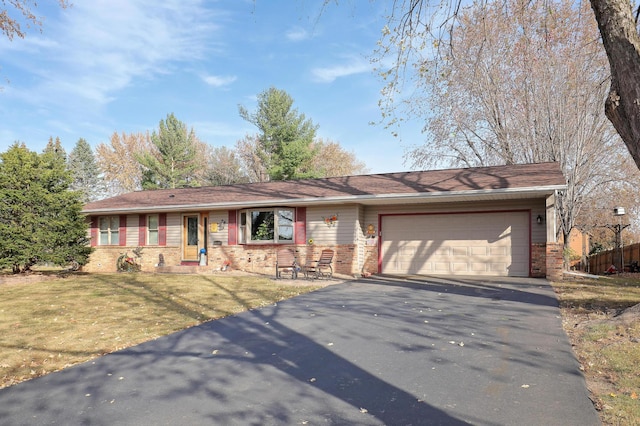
(395, 351)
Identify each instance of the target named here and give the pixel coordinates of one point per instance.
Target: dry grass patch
(48, 324)
(606, 342)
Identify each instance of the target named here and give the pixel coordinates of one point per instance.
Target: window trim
(244, 226)
(150, 230)
(111, 232)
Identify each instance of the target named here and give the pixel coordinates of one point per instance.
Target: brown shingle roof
(510, 178)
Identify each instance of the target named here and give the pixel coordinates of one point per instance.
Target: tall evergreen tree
(174, 163)
(54, 147)
(84, 171)
(285, 138)
(40, 219)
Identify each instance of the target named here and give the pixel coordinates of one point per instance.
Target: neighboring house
(495, 221)
(579, 246)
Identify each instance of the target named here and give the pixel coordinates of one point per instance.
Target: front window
(266, 226)
(152, 229)
(109, 230)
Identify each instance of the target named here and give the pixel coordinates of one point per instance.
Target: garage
(485, 243)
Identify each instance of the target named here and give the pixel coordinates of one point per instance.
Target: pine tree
(55, 148)
(174, 164)
(85, 172)
(40, 219)
(286, 137)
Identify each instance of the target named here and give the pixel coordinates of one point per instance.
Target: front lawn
(48, 323)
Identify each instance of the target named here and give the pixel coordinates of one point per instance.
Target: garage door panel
(459, 251)
(442, 251)
(459, 267)
(474, 243)
(477, 250)
(478, 267)
(440, 267)
(498, 251)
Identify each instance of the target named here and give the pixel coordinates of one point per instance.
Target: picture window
(266, 226)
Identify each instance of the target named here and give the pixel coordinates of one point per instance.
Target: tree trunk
(622, 44)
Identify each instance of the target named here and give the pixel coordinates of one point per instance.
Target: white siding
(221, 234)
(342, 232)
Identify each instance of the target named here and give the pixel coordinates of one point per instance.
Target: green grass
(51, 324)
(607, 348)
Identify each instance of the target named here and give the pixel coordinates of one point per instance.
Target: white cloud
(219, 80)
(297, 34)
(330, 74)
(102, 46)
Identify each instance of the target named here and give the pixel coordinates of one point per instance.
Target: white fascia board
(412, 197)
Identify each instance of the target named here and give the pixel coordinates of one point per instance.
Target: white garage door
(457, 244)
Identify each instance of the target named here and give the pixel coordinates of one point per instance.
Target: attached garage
(482, 243)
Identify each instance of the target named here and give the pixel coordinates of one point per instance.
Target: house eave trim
(426, 197)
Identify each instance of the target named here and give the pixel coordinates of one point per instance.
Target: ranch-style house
(492, 221)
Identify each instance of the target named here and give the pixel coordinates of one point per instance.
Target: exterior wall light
(539, 219)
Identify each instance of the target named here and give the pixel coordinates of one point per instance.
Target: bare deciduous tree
(118, 161)
(332, 160)
(223, 167)
(426, 26)
(18, 11)
(520, 82)
(248, 151)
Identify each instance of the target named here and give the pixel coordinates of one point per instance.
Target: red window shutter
(162, 229)
(142, 230)
(122, 231)
(300, 227)
(233, 228)
(94, 231)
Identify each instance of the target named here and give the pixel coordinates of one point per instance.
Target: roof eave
(369, 199)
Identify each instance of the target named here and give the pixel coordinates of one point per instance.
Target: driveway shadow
(522, 290)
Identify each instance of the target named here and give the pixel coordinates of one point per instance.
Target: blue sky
(107, 66)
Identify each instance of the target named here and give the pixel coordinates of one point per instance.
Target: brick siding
(554, 261)
(259, 259)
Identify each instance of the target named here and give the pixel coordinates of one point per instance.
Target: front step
(185, 269)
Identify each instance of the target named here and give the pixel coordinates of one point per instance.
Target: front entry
(190, 237)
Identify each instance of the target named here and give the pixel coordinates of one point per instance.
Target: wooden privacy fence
(598, 263)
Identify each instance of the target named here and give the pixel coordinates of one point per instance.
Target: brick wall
(260, 259)
(554, 261)
(103, 259)
(546, 261)
(370, 259)
(538, 260)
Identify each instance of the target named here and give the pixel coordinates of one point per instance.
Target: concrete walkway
(394, 351)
